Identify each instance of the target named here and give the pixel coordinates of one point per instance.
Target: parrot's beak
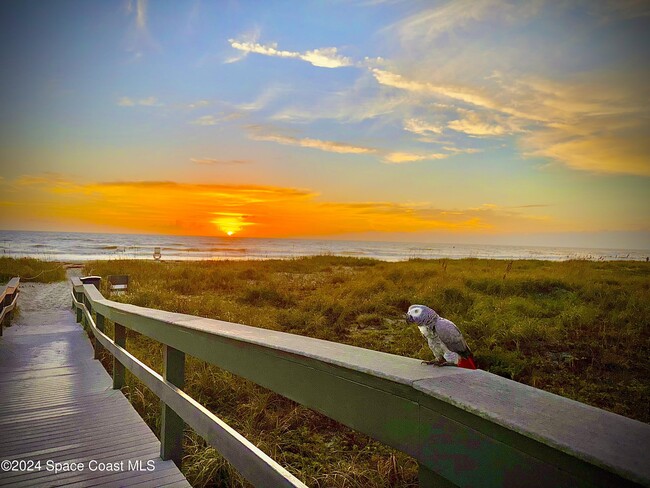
(408, 318)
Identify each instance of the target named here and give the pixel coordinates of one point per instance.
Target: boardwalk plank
(119, 478)
(172, 478)
(70, 429)
(56, 403)
(65, 424)
(72, 444)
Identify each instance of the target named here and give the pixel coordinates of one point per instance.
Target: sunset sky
(483, 121)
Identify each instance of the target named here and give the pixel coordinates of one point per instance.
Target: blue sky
(449, 121)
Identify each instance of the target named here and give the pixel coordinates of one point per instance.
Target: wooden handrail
(465, 428)
(250, 461)
(8, 299)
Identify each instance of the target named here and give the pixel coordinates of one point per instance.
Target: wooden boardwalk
(57, 405)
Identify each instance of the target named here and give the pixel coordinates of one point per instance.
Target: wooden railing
(465, 428)
(8, 298)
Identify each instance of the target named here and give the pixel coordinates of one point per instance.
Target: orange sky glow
(242, 210)
(434, 121)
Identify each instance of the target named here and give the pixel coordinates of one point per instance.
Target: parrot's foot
(439, 363)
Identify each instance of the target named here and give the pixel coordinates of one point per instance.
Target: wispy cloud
(406, 157)
(329, 146)
(611, 151)
(586, 123)
(422, 127)
(150, 102)
(481, 124)
(207, 120)
(213, 161)
(465, 94)
(327, 57)
(596, 124)
(428, 24)
(138, 39)
(126, 102)
(198, 104)
(588, 120)
(145, 102)
(362, 101)
(141, 14)
(268, 95)
(258, 134)
(466, 150)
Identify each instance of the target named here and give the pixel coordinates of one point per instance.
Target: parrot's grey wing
(451, 336)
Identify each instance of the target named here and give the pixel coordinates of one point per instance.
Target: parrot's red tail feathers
(467, 362)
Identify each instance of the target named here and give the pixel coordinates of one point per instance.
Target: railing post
(89, 307)
(171, 425)
(8, 300)
(118, 368)
(99, 322)
(84, 300)
(5, 319)
(79, 312)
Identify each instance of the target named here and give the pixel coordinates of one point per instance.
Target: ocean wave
(83, 247)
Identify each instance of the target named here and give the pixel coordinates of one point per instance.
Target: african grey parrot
(444, 338)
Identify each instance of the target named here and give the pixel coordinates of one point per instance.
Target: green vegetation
(579, 329)
(30, 269)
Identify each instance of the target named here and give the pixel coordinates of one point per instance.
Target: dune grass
(579, 329)
(30, 269)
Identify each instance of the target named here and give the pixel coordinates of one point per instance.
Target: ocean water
(73, 247)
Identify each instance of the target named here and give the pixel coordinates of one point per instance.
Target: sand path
(40, 300)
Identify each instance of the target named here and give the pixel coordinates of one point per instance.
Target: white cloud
(141, 14)
(198, 104)
(149, 102)
(455, 150)
(606, 151)
(327, 57)
(125, 102)
(146, 102)
(405, 157)
(429, 23)
(329, 146)
(590, 122)
(476, 124)
(364, 100)
(421, 127)
(461, 93)
(138, 39)
(206, 120)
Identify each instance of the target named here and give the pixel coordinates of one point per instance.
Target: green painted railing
(8, 298)
(465, 428)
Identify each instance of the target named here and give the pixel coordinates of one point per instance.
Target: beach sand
(43, 300)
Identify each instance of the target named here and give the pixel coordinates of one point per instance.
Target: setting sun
(230, 223)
